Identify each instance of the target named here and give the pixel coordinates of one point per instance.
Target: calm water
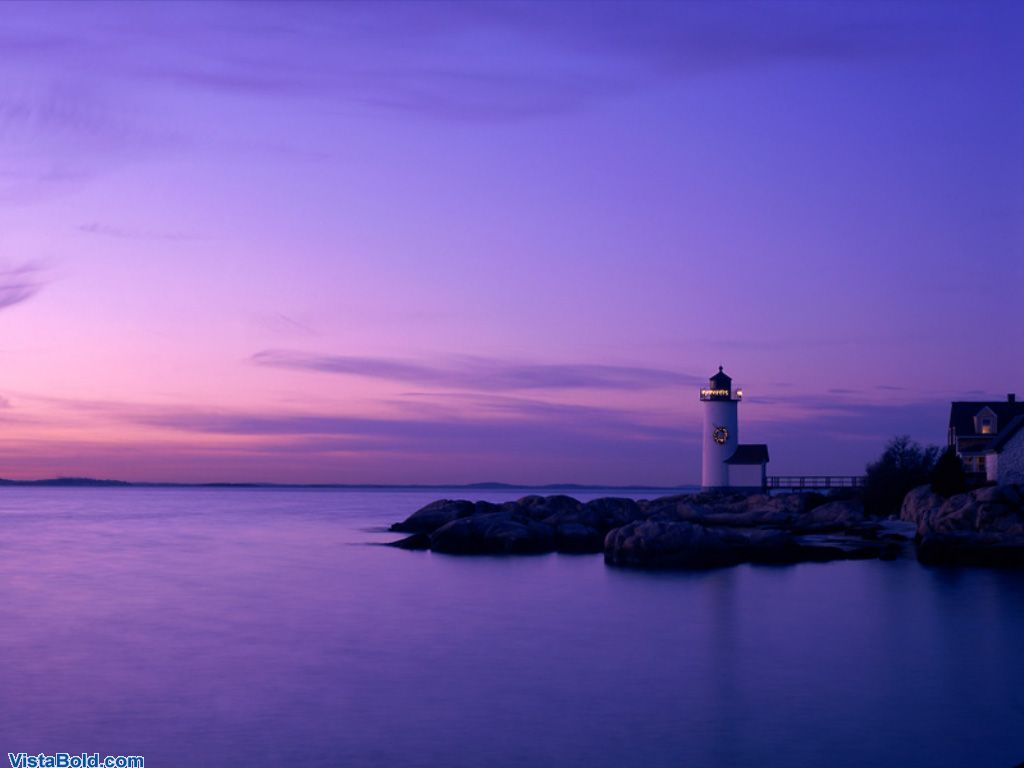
(247, 627)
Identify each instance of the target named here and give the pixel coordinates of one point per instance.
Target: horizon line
(87, 482)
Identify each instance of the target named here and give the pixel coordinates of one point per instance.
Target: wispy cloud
(90, 88)
(407, 58)
(481, 435)
(280, 319)
(450, 61)
(837, 415)
(123, 233)
(19, 284)
(430, 444)
(422, 416)
(401, 433)
(480, 373)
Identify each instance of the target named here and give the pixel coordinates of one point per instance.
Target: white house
(724, 462)
(1004, 460)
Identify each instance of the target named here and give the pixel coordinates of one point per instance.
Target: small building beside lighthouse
(725, 462)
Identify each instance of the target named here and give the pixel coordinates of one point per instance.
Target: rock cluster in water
(703, 530)
(982, 527)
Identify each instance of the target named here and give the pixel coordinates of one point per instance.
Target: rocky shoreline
(716, 529)
(984, 527)
(703, 530)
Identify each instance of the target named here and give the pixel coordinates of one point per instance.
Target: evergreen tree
(948, 478)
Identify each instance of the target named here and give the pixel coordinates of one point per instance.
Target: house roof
(962, 413)
(1005, 435)
(754, 453)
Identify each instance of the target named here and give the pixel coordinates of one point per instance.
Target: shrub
(904, 465)
(948, 478)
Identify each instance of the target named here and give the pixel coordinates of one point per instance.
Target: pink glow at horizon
(429, 242)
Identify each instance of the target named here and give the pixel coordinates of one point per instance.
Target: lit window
(986, 426)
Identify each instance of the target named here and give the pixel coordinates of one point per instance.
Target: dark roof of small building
(720, 380)
(962, 413)
(1005, 435)
(754, 453)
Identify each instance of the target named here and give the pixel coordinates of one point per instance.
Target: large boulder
(823, 547)
(847, 515)
(733, 508)
(416, 541)
(994, 509)
(790, 505)
(732, 517)
(434, 515)
(682, 506)
(530, 524)
(671, 544)
(796, 512)
(542, 507)
(674, 544)
(601, 514)
(611, 512)
(682, 510)
(982, 527)
(720, 497)
(493, 533)
(920, 503)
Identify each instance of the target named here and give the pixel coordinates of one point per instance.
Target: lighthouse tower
(721, 430)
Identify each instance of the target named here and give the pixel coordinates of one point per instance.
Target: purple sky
(337, 242)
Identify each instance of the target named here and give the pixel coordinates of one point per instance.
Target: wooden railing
(815, 481)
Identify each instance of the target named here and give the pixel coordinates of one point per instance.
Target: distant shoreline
(87, 482)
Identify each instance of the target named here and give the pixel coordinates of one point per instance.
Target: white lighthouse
(724, 462)
(721, 430)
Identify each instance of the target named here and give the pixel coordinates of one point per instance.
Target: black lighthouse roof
(720, 380)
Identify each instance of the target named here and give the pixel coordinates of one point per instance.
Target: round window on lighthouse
(721, 434)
